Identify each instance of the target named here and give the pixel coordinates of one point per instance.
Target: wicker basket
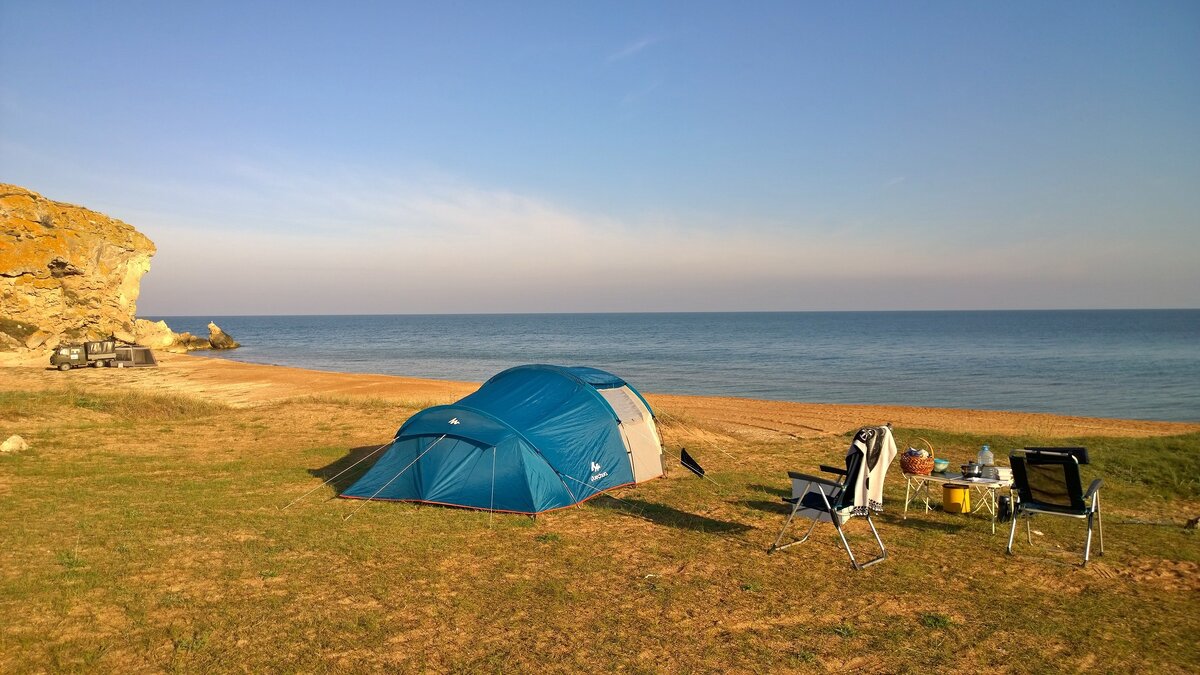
(921, 466)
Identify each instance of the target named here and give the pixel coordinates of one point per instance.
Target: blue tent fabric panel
(482, 478)
(525, 394)
(456, 420)
(391, 466)
(451, 474)
(565, 419)
(507, 478)
(548, 489)
(584, 446)
(596, 377)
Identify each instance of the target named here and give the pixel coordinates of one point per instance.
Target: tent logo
(455, 421)
(597, 476)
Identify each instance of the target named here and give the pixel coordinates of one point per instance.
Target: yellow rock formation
(66, 272)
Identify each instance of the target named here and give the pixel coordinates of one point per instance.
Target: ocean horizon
(1136, 364)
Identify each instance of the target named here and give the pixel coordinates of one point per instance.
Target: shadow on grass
(771, 489)
(889, 519)
(661, 514)
(918, 523)
(364, 456)
(777, 506)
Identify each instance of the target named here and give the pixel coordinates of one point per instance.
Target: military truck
(101, 353)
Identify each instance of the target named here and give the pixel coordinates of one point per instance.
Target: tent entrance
(638, 431)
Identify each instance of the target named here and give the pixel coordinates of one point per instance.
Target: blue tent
(531, 439)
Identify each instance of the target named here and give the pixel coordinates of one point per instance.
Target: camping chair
(821, 499)
(1047, 481)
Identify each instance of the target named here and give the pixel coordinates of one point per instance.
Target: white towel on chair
(878, 448)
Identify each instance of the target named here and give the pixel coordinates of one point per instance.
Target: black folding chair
(1047, 481)
(822, 499)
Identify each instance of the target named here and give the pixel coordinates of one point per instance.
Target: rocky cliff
(66, 272)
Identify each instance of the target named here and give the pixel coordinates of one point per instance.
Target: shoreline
(1085, 365)
(241, 384)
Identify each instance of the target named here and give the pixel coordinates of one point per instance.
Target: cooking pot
(972, 470)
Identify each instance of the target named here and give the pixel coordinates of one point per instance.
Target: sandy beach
(248, 385)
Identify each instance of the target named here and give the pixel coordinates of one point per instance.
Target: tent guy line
(692, 465)
(492, 501)
(410, 464)
(335, 476)
(605, 492)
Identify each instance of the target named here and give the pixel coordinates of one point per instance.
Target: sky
(450, 157)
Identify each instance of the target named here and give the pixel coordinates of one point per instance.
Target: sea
(1135, 364)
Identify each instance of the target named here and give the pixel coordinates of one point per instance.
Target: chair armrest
(832, 469)
(813, 479)
(1093, 488)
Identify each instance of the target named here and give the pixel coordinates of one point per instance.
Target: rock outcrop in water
(68, 273)
(219, 339)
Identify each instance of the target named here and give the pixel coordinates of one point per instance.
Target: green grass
(126, 406)
(147, 533)
(364, 403)
(936, 620)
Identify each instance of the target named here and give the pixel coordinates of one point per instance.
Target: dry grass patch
(152, 537)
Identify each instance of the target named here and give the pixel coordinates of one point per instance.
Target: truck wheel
(96, 364)
(64, 367)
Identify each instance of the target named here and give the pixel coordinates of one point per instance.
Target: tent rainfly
(532, 439)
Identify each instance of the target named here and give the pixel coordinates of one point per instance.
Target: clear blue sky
(493, 157)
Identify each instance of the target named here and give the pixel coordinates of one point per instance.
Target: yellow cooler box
(956, 499)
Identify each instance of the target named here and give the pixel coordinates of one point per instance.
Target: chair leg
(1099, 526)
(792, 514)
(1087, 546)
(1012, 530)
(882, 550)
(776, 547)
(812, 527)
(1028, 534)
(853, 561)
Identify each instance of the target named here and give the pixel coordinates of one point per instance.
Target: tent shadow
(345, 480)
(661, 514)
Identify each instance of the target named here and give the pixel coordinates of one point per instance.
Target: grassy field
(145, 533)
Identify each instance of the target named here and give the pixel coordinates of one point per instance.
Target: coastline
(241, 384)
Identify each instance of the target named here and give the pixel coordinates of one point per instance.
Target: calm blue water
(1135, 364)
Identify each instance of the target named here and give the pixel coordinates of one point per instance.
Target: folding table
(916, 487)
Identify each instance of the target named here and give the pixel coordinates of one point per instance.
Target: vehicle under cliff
(102, 353)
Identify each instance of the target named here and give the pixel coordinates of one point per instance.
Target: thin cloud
(283, 239)
(632, 98)
(632, 49)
